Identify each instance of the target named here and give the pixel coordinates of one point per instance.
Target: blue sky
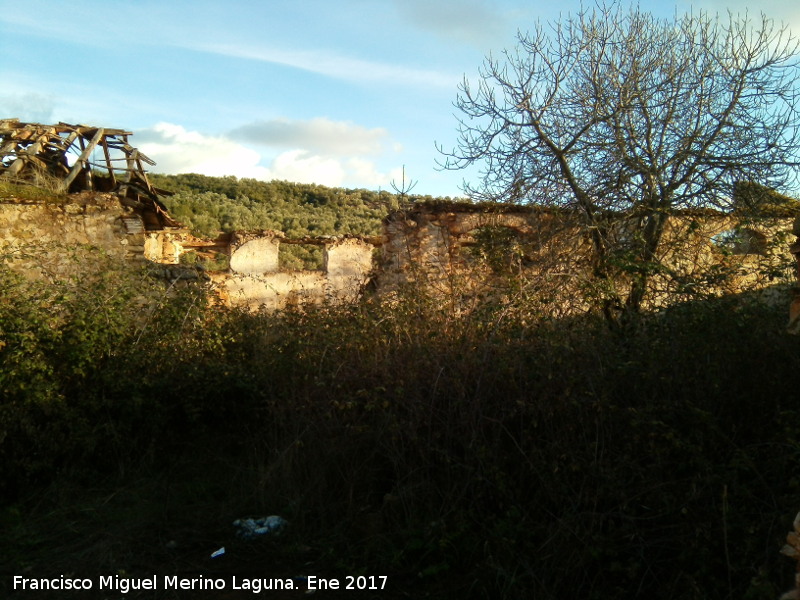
(336, 92)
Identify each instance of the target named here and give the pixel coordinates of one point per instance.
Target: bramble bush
(472, 454)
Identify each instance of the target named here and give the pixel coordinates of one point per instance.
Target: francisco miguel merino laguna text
(201, 582)
(168, 582)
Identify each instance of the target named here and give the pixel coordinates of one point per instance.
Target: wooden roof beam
(23, 156)
(80, 163)
(109, 166)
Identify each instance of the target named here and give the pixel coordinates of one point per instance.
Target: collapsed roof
(76, 158)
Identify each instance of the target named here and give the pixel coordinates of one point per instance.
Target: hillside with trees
(211, 205)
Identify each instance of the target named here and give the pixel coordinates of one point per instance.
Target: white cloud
(303, 167)
(319, 135)
(365, 172)
(177, 150)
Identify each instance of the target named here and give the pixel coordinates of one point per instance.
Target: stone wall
(42, 239)
(255, 279)
(254, 254)
(465, 252)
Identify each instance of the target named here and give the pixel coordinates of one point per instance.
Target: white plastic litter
(251, 528)
(217, 553)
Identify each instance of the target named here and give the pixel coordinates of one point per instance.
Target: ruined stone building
(464, 253)
(76, 158)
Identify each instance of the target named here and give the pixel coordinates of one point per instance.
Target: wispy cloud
(477, 22)
(330, 64)
(171, 32)
(27, 106)
(318, 134)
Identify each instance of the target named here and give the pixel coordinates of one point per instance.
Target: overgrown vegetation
(43, 189)
(473, 455)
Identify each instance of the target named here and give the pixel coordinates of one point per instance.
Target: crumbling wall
(439, 247)
(426, 243)
(348, 266)
(42, 239)
(256, 281)
(254, 254)
(164, 247)
(52, 239)
(448, 248)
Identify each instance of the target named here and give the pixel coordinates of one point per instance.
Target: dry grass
(43, 188)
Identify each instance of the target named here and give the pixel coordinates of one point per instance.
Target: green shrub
(468, 454)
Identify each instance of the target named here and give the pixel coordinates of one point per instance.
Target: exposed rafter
(76, 158)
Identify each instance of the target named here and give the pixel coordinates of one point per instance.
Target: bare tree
(403, 189)
(621, 116)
